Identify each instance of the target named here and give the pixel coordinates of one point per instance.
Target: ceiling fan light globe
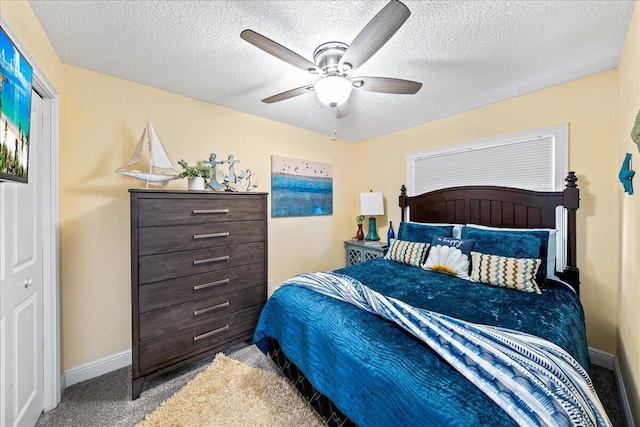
(333, 90)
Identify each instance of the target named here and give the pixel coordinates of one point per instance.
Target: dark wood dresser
(198, 275)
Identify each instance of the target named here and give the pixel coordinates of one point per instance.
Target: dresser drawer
(155, 240)
(159, 212)
(153, 296)
(167, 349)
(154, 268)
(159, 322)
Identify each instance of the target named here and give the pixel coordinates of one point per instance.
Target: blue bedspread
(377, 374)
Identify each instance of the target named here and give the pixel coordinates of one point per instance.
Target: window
(533, 160)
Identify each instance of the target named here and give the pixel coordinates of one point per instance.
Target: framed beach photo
(15, 111)
(300, 187)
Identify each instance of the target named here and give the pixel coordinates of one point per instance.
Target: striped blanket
(534, 381)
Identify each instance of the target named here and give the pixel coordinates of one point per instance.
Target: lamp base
(372, 233)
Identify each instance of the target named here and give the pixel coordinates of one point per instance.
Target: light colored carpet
(230, 393)
(105, 401)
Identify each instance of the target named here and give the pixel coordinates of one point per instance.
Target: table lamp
(372, 204)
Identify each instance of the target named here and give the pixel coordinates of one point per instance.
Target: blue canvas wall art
(300, 187)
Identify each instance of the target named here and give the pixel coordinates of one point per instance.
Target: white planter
(196, 183)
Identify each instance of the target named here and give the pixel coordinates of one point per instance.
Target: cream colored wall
(101, 120)
(589, 105)
(628, 349)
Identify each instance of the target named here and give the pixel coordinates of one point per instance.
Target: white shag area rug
(228, 394)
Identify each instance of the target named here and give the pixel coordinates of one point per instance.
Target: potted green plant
(196, 175)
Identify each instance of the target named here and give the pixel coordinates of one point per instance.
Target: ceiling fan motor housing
(327, 56)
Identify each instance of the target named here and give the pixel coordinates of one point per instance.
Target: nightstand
(358, 251)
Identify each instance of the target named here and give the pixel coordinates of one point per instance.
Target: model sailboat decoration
(161, 169)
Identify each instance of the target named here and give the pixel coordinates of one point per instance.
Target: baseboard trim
(63, 384)
(624, 400)
(602, 358)
(96, 368)
(609, 361)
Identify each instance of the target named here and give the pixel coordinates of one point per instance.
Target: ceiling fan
(333, 61)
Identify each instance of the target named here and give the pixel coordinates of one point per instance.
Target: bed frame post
(572, 203)
(403, 203)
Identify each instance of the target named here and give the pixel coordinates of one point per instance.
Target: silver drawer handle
(210, 211)
(208, 334)
(210, 284)
(209, 236)
(208, 260)
(213, 307)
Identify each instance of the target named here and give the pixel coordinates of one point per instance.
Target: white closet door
(21, 277)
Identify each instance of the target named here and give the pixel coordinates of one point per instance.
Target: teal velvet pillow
(511, 243)
(416, 232)
(450, 256)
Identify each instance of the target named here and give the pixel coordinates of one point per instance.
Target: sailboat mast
(150, 149)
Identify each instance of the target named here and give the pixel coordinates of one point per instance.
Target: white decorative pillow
(412, 253)
(450, 256)
(513, 273)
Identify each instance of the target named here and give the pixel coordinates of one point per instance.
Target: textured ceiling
(466, 53)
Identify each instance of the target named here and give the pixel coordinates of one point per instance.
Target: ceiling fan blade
(342, 110)
(288, 94)
(375, 34)
(386, 85)
(279, 51)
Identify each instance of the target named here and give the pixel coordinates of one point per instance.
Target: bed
(357, 368)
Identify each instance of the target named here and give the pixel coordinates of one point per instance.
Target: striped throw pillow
(412, 253)
(513, 273)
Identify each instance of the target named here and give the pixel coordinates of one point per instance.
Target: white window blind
(533, 160)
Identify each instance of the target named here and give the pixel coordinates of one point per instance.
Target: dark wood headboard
(501, 207)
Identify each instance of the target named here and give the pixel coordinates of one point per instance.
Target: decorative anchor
(626, 174)
(231, 178)
(213, 182)
(231, 181)
(244, 180)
